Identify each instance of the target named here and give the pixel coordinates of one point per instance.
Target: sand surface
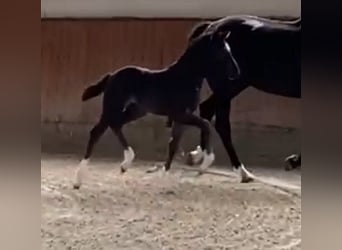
(179, 211)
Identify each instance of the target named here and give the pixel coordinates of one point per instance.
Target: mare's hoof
(246, 176)
(123, 170)
(288, 166)
(76, 186)
(163, 172)
(291, 162)
(247, 179)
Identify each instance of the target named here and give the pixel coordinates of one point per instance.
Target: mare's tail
(96, 89)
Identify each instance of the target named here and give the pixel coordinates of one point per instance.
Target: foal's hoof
(194, 157)
(123, 170)
(200, 173)
(189, 160)
(77, 186)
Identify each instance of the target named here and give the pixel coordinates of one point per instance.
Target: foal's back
(158, 92)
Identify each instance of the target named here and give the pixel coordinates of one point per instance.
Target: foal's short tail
(96, 89)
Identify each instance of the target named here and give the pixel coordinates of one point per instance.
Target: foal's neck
(187, 66)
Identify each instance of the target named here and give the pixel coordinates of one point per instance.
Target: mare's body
(268, 54)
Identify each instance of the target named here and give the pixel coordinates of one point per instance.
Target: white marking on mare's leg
(79, 175)
(245, 175)
(196, 155)
(128, 158)
(208, 159)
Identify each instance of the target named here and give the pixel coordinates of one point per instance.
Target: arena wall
(167, 8)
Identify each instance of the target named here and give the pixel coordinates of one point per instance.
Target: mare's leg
(204, 125)
(293, 161)
(223, 128)
(207, 108)
(131, 113)
(176, 134)
(95, 135)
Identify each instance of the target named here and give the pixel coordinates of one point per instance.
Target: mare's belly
(278, 78)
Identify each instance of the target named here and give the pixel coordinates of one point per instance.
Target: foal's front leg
(207, 111)
(204, 125)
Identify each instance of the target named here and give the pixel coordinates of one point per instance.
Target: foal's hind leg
(129, 154)
(95, 134)
(131, 113)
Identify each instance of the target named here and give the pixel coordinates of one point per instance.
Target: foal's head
(210, 52)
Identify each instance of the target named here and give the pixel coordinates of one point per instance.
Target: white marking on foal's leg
(208, 159)
(162, 172)
(128, 158)
(196, 155)
(79, 175)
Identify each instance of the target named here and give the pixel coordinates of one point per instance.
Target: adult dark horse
(268, 53)
(132, 92)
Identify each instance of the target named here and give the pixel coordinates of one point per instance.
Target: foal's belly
(169, 103)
